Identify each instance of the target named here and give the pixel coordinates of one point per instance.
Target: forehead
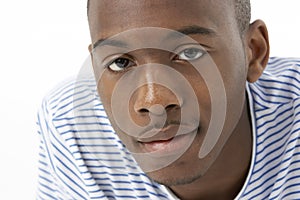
(110, 17)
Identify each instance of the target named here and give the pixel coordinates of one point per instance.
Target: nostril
(158, 109)
(172, 106)
(143, 110)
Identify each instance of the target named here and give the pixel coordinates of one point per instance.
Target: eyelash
(176, 58)
(118, 71)
(200, 51)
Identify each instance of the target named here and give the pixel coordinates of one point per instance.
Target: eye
(190, 54)
(120, 64)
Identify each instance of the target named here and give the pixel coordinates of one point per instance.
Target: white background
(44, 42)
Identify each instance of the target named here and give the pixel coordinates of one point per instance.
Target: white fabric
(81, 157)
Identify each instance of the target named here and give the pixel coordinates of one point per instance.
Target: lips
(167, 140)
(166, 133)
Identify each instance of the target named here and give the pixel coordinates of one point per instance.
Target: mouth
(168, 140)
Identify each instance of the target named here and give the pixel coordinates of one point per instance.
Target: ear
(90, 48)
(91, 54)
(258, 49)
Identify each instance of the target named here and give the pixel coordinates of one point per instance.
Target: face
(161, 94)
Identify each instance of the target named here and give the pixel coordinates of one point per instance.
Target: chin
(178, 173)
(171, 179)
(186, 170)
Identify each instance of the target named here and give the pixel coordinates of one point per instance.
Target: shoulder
(69, 95)
(283, 72)
(279, 84)
(275, 102)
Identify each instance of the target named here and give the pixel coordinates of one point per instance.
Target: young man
(186, 108)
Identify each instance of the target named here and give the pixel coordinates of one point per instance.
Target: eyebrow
(187, 30)
(109, 42)
(192, 30)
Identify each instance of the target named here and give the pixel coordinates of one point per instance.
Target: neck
(227, 175)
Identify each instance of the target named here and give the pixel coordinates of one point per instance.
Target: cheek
(107, 85)
(231, 64)
(105, 91)
(235, 83)
(105, 88)
(201, 80)
(234, 79)
(204, 100)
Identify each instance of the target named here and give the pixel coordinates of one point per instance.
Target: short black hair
(242, 13)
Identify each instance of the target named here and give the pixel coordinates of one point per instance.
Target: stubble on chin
(174, 179)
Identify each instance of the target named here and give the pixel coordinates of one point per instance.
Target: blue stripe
(43, 136)
(276, 117)
(102, 166)
(269, 114)
(82, 124)
(272, 152)
(275, 134)
(87, 131)
(280, 82)
(96, 152)
(278, 124)
(47, 194)
(45, 179)
(70, 96)
(42, 155)
(271, 168)
(71, 171)
(271, 177)
(43, 163)
(46, 187)
(275, 60)
(77, 106)
(283, 137)
(74, 182)
(265, 100)
(260, 104)
(90, 138)
(92, 109)
(271, 95)
(294, 192)
(291, 77)
(289, 179)
(276, 89)
(158, 195)
(68, 88)
(281, 61)
(44, 171)
(95, 145)
(80, 117)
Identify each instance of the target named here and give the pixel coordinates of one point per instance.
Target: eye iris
(121, 62)
(191, 53)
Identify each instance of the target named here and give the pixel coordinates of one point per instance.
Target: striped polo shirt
(81, 157)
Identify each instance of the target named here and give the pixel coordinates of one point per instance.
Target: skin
(240, 57)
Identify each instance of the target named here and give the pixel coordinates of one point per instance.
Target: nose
(155, 99)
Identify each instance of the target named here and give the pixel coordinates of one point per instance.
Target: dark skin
(240, 57)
